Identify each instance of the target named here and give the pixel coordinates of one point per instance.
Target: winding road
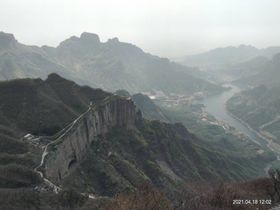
(56, 189)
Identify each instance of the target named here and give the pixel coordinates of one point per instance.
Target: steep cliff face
(71, 146)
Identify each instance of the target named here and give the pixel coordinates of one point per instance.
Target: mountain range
(231, 63)
(66, 142)
(259, 103)
(224, 57)
(265, 73)
(110, 65)
(100, 150)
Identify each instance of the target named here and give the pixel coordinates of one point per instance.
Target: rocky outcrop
(90, 38)
(7, 40)
(70, 148)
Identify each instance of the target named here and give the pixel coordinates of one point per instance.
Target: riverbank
(268, 144)
(217, 107)
(249, 128)
(268, 141)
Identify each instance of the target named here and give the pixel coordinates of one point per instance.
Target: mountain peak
(90, 37)
(53, 77)
(244, 46)
(7, 40)
(113, 40)
(87, 40)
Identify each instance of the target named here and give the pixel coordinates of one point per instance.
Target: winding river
(216, 106)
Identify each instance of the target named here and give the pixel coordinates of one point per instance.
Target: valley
(151, 105)
(87, 145)
(217, 106)
(98, 152)
(213, 110)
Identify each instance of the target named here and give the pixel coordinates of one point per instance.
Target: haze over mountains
(87, 141)
(89, 121)
(231, 63)
(224, 57)
(247, 67)
(110, 65)
(267, 73)
(259, 105)
(128, 151)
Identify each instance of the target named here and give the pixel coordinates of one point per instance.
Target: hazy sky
(170, 28)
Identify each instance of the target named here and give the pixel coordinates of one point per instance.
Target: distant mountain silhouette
(221, 58)
(267, 73)
(230, 63)
(110, 65)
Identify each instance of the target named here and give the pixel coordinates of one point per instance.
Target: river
(216, 106)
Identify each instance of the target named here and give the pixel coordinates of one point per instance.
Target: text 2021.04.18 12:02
(251, 202)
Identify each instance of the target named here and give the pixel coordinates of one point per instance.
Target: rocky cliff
(68, 149)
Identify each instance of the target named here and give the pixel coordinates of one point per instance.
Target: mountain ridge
(267, 74)
(231, 63)
(109, 65)
(107, 162)
(231, 54)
